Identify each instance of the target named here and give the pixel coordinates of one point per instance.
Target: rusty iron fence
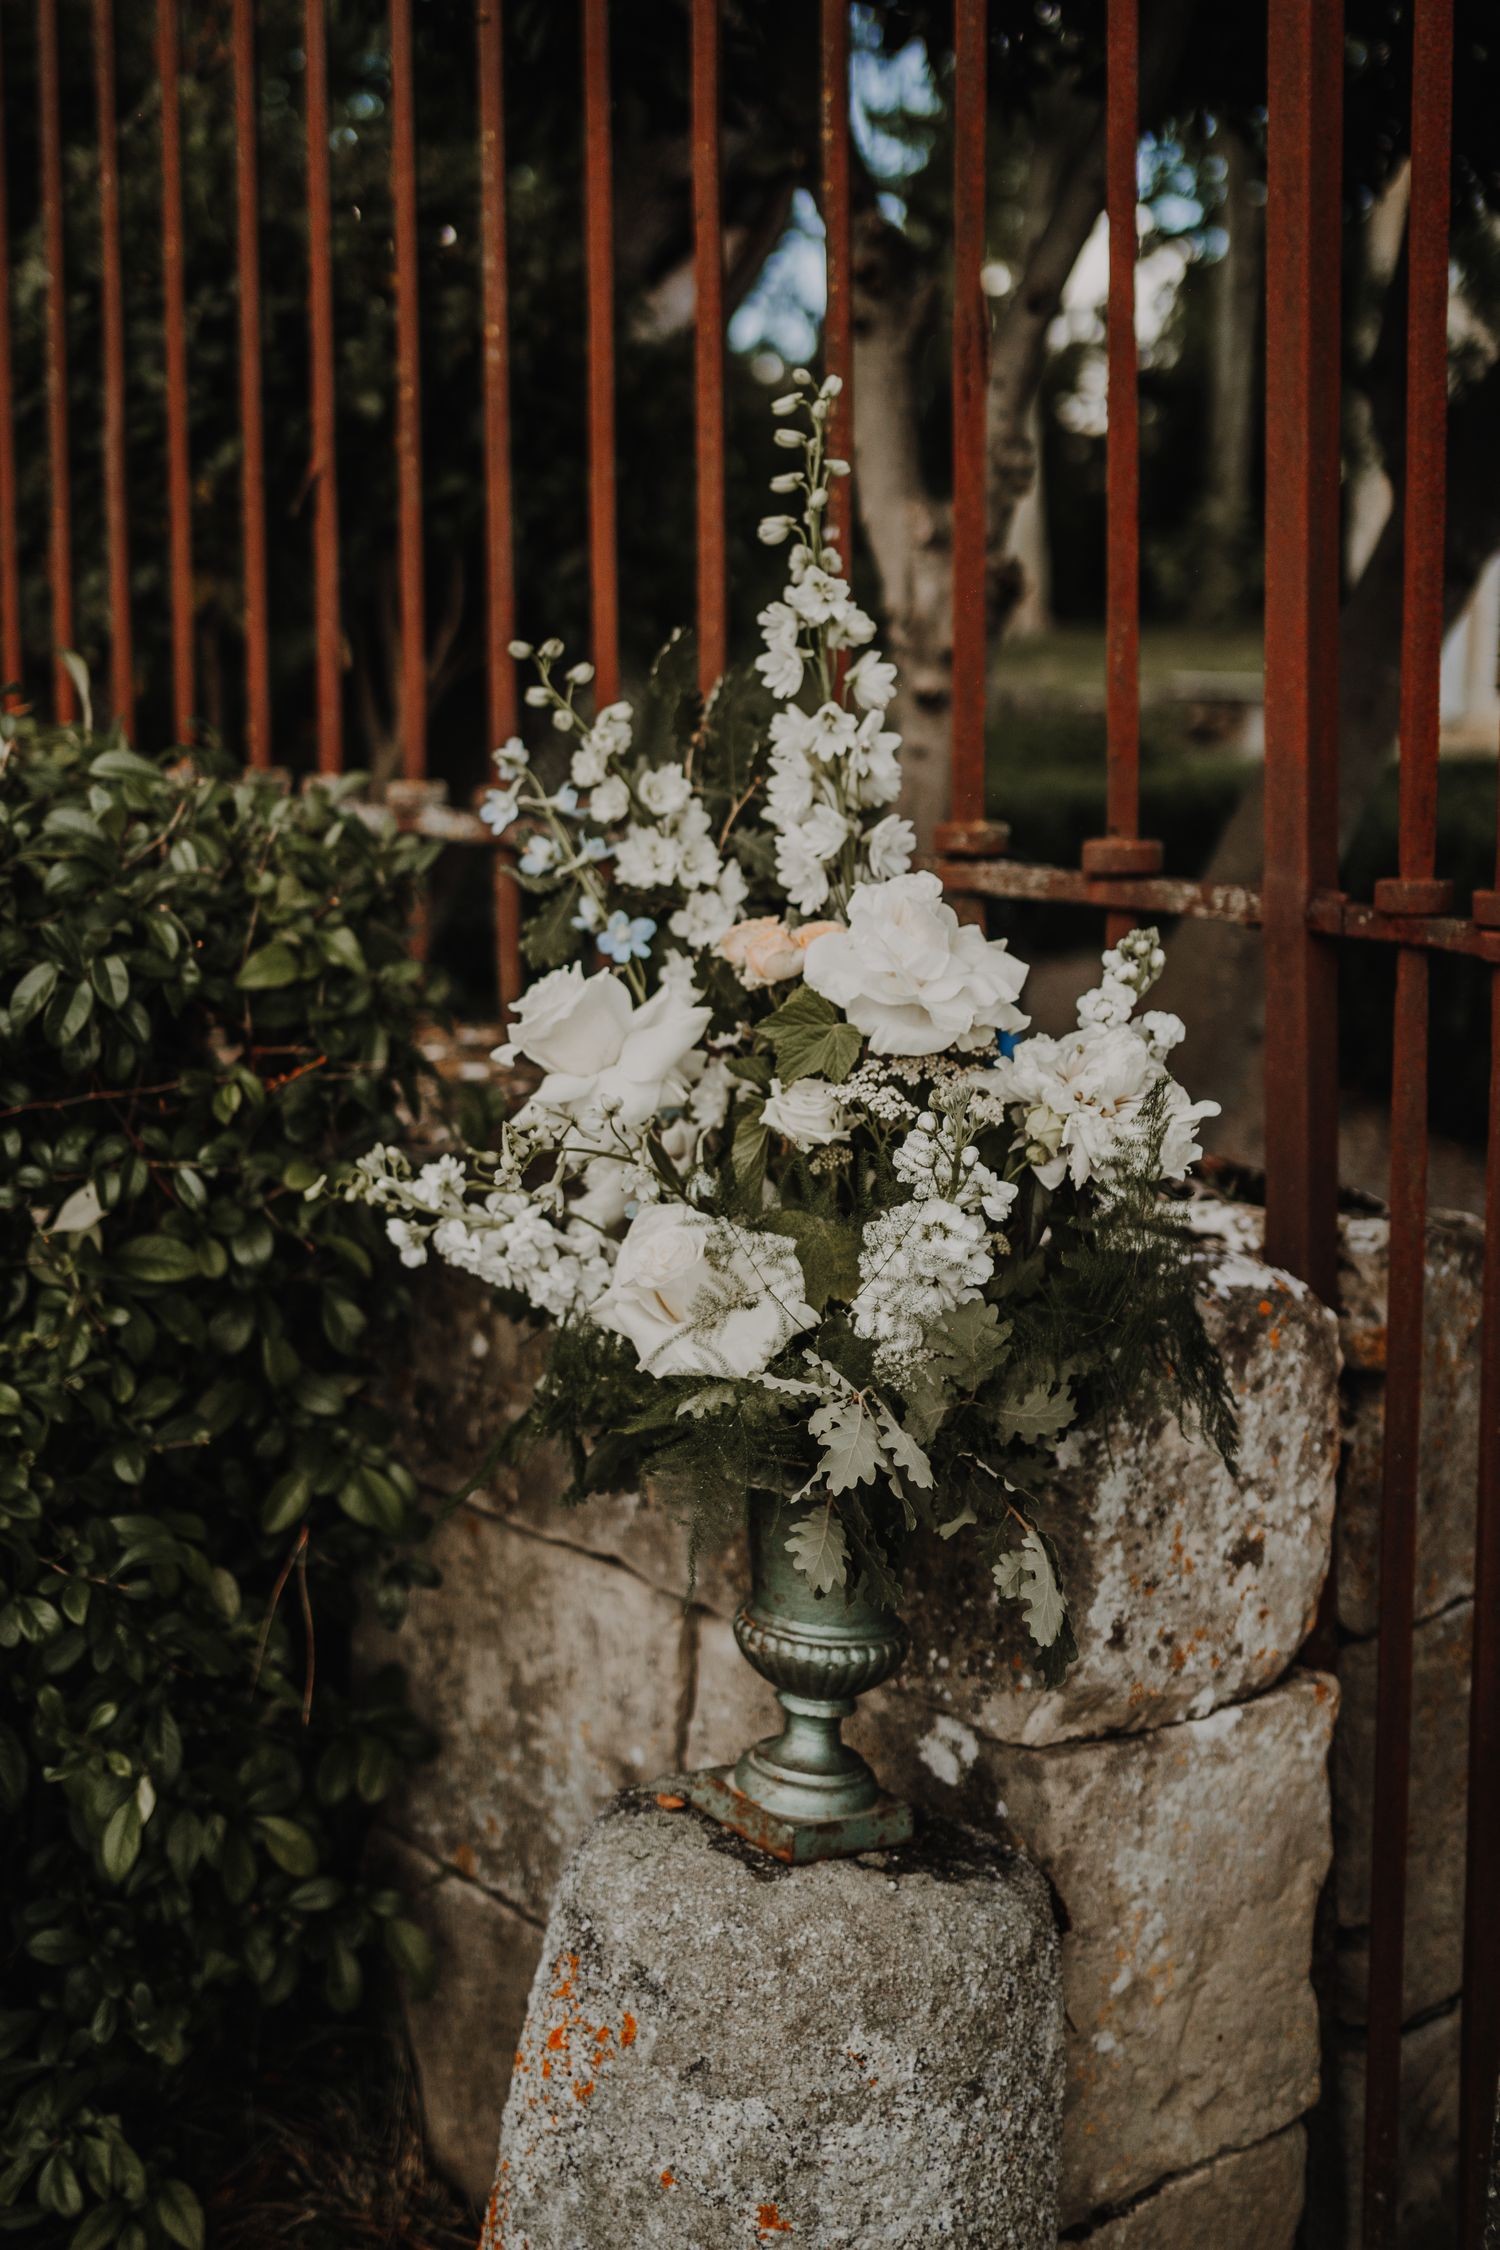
(1304, 918)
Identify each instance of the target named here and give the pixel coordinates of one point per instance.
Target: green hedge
(205, 997)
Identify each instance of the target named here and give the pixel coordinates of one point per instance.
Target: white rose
(699, 1296)
(664, 790)
(912, 977)
(598, 1050)
(569, 1022)
(810, 1113)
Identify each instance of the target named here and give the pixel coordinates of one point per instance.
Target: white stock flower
(888, 847)
(588, 764)
(499, 809)
(699, 1296)
(817, 596)
(808, 1113)
(599, 1051)
(912, 977)
(664, 790)
(917, 1262)
(872, 680)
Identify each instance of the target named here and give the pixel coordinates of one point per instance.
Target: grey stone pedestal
(721, 2050)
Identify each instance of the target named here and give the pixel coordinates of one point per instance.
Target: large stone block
(486, 1959)
(551, 1679)
(720, 2049)
(1250, 2199)
(1448, 1462)
(1188, 1864)
(1191, 1586)
(1439, 1802)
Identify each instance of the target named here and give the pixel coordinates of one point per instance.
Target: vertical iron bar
(323, 467)
(60, 530)
(179, 481)
(708, 349)
(116, 498)
(252, 414)
(838, 323)
(1421, 655)
(408, 398)
(500, 670)
(1122, 629)
(1480, 2023)
(1304, 146)
(11, 653)
(1122, 597)
(970, 356)
(599, 244)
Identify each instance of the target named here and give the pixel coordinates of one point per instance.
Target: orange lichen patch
(582, 2093)
(565, 1970)
(1320, 1689)
(603, 2035)
(557, 2040)
(669, 1803)
(668, 2179)
(1265, 1308)
(564, 2047)
(1273, 1337)
(768, 2221)
(464, 1859)
(627, 2029)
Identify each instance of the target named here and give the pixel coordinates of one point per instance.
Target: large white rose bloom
(1079, 1101)
(699, 1296)
(912, 977)
(599, 1050)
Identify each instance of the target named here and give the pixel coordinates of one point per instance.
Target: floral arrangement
(804, 1208)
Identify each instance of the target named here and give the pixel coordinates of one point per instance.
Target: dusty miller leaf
(712, 1399)
(845, 1429)
(1041, 1412)
(1025, 1575)
(903, 1451)
(820, 1551)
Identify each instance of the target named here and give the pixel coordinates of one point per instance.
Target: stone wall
(1175, 1791)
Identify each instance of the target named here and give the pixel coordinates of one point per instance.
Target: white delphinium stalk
(835, 764)
(1079, 1104)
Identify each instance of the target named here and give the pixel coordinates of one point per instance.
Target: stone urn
(804, 1794)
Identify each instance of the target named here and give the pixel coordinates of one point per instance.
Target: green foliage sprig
(206, 996)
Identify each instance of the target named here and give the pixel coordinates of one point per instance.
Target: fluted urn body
(804, 1794)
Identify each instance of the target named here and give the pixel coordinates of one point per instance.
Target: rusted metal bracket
(1404, 894)
(972, 839)
(1108, 857)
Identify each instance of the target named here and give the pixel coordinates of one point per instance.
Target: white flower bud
(787, 483)
(552, 650)
(836, 468)
(926, 1123)
(520, 650)
(789, 438)
(801, 375)
(563, 719)
(580, 674)
(819, 497)
(538, 698)
(832, 385)
(787, 405)
(773, 531)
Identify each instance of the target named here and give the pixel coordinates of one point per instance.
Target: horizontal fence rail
(1304, 918)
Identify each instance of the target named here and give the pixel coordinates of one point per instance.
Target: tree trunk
(908, 529)
(1235, 286)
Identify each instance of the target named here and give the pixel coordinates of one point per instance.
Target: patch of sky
(893, 100)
